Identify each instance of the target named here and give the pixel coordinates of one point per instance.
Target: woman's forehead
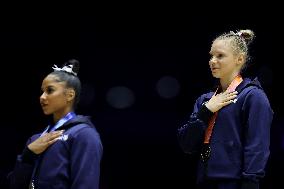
(51, 79)
(221, 44)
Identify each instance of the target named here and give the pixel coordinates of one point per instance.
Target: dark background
(127, 59)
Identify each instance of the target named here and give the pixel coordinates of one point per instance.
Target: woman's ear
(241, 59)
(70, 93)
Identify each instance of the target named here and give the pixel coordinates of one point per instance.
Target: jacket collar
(244, 84)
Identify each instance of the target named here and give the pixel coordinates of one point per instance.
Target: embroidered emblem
(235, 100)
(63, 137)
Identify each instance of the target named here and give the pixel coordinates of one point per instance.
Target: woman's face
(54, 99)
(223, 62)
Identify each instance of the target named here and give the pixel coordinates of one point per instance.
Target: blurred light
(168, 87)
(120, 97)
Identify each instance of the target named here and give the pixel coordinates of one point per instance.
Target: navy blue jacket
(241, 135)
(72, 162)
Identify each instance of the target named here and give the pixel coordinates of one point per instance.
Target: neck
(57, 117)
(225, 82)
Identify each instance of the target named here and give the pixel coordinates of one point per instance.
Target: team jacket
(72, 162)
(241, 135)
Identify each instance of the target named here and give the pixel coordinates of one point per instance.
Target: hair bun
(75, 64)
(247, 35)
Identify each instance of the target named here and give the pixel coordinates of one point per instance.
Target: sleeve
(256, 140)
(20, 177)
(191, 133)
(86, 154)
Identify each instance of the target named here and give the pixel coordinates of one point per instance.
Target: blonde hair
(239, 41)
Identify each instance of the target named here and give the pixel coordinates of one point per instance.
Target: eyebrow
(42, 88)
(217, 51)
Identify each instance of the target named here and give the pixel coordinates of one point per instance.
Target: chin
(46, 112)
(215, 76)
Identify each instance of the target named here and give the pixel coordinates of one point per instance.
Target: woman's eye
(219, 55)
(49, 90)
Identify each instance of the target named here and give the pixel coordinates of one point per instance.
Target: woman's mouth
(43, 105)
(214, 69)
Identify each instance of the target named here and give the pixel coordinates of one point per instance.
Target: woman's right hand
(42, 143)
(220, 100)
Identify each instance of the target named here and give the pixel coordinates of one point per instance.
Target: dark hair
(240, 41)
(68, 74)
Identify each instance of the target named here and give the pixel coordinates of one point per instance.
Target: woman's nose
(212, 61)
(42, 96)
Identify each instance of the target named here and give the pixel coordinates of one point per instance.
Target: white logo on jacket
(63, 137)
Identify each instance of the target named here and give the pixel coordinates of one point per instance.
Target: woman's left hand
(42, 143)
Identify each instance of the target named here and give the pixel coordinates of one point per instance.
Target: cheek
(54, 99)
(60, 99)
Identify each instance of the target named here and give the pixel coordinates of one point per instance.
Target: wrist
(209, 107)
(32, 149)
(28, 156)
(204, 114)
